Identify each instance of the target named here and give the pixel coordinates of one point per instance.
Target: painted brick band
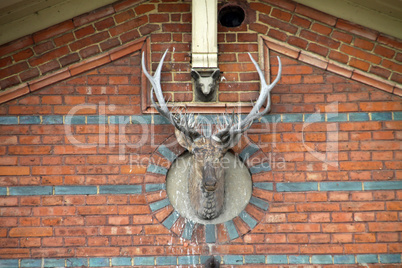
(360, 259)
(156, 119)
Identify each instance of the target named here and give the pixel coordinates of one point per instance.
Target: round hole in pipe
(231, 16)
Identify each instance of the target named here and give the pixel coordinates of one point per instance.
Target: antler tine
(255, 113)
(156, 86)
(264, 95)
(162, 107)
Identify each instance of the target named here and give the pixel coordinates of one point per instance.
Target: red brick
(320, 50)
(97, 210)
(317, 207)
(53, 31)
(380, 106)
(364, 44)
(390, 41)
(257, 27)
(278, 24)
(261, 7)
(97, 251)
(22, 55)
(98, 241)
(9, 82)
(323, 40)
(5, 61)
(49, 56)
(356, 29)
(129, 25)
(93, 15)
(387, 237)
(322, 29)
(392, 65)
(344, 228)
(320, 217)
(360, 126)
(295, 238)
(341, 36)
(277, 35)
(365, 238)
(30, 231)
(15, 45)
(142, 9)
(301, 22)
(360, 54)
(321, 249)
(159, 18)
(365, 248)
(104, 24)
(276, 249)
(282, 15)
(13, 69)
(173, 8)
(80, 33)
(362, 65)
(283, 4)
(387, 216)
(315, 14)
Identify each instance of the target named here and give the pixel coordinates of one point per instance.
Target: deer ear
(195, 75)
(183, 140)
(215, 74)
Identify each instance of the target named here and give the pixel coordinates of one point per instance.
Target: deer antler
(232, 130)
(179, 121)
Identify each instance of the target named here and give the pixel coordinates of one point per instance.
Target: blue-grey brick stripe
(210, 233)
(341, 186)
(159, 204)
(296, 186)
(250, 221)
(154, 187)
(120, 189)
(98, 262)
(160, 120)
(31, 190)
(137, 189)
(277, 259)
(171, 219)
(196, 259)
(167, 153)
(75, 190)
(263, 167)
(231, 229)
(262, 204)
(121, 261)
(157, 169)
(248, 151)
(268, 186)
(144, 260)
(188, 230)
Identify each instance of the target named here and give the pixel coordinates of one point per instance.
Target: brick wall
(76, 189)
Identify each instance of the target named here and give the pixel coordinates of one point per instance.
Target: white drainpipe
(204, 34)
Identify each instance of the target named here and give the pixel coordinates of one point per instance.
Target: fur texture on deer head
(207, 175)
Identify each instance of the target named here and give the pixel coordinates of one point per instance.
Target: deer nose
(210, 183)
(209, 180)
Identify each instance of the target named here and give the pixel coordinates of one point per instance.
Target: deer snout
(209, 180)
(210, 183)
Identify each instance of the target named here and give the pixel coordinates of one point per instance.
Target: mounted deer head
(205, 86)
(207, 177)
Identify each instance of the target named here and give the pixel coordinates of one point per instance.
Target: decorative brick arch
(157, 199)
(141, 44)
